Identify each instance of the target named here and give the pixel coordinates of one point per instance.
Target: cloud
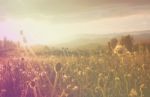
(63, 11)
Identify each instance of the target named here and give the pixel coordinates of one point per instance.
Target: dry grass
(96, 75)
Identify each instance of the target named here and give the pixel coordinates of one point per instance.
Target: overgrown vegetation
(79, 73)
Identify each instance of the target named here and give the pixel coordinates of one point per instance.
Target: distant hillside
(94, 40)
(142, 37)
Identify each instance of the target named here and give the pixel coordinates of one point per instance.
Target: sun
(35, 32)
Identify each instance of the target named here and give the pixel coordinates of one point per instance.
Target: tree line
(129, 43)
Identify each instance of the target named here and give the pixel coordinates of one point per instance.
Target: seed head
(58, 67)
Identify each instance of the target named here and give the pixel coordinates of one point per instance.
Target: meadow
(76, 73)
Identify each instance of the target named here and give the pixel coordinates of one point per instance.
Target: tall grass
(96, 75)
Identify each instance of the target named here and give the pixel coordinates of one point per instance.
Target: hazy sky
(56, 21)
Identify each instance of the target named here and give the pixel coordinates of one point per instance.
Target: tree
(127, 41)
(112, 44)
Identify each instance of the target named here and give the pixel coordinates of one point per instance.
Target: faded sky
(56, 21)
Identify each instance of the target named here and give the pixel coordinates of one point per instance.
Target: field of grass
(95, 73)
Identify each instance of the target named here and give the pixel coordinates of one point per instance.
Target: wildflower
(79, 72)
(138, 69)
(65, 77)
(32, 84)
(36, 79)
(143, 66)
(72, 80)
(69, 86)
(100, 74)
(97, 89)
(112, 70)
(133, 93)
(75, 88)
(120, 50)
(128, 75)
(142, 86)
(88, 68)
(117, 78)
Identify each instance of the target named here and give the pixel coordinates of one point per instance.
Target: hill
(94, 40)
